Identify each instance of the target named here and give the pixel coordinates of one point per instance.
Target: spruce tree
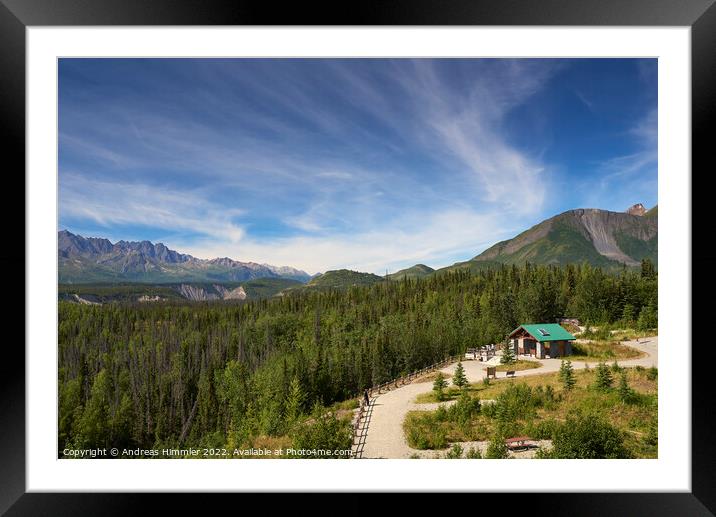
(566, 375)
(624, 389)
(603, 380)
(439, 386)
(294, 401)
(508, 354)
(459, 379)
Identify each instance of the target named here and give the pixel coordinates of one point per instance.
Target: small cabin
(541, 340)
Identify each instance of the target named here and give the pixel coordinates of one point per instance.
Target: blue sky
(367, 164)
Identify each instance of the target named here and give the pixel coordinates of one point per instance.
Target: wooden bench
(510, 373)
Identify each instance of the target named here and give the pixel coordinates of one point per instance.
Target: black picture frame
(700, 15)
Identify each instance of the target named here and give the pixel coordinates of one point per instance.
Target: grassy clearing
(345, 404)
(603, 351)
(517, 366)
(537, 406)
(436, 429)
(451, 393)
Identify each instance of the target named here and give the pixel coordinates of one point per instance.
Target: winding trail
(385, 437)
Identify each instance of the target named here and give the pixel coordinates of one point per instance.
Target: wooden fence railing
(359, 433)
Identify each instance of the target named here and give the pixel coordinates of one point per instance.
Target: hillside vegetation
(601, 238)
(589, 420)
(224, 375)
(339, 279)
(416, 271)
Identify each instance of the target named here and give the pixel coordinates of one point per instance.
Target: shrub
(543, 429)
(652, 435)
(497, 448)
(473, 454)
(603, 380)
(518, 401)
(652, 373)
(489, 410)
(423, 432)
(464, 409)
(441, 414)
(544, 453)
(323, 431)
(455, 452)
(588, 437)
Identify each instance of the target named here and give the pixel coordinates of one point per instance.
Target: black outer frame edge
(701, 14)
(367, 12)
(12, 366)
(703, 110)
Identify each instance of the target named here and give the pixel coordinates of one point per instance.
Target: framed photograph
(439, 234)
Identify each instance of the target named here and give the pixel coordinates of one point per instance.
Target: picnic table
(518, 442)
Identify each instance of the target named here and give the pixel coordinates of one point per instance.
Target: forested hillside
(226, 375)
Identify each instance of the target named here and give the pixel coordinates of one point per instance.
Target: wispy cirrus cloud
(110, 203)
(433, 236)
(630, 178)
(316, 163)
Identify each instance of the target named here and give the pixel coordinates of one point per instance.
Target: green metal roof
(553, 331)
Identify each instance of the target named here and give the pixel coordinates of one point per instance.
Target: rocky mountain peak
(99, 259)
(637, 209)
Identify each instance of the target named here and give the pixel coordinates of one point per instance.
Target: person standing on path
(366, 398)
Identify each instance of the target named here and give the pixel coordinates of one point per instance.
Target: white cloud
(437, 238)
(469, 129)
(356, 214)
(116, 203)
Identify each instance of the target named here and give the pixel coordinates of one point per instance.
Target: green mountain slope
(267, 287)
(336, 280)
(416, 271)
(599, 237)
(652, 212)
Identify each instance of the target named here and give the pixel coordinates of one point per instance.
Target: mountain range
(88, 260)
(600, 237)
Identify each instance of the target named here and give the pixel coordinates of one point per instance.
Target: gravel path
(385, 437)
